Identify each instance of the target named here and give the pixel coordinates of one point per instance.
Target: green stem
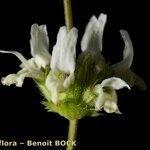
(73, 124)
(68, 14)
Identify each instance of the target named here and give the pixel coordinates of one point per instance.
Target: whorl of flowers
(72, 87)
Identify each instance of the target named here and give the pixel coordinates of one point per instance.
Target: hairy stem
(73, 124)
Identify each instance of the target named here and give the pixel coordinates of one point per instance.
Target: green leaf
(49, 106)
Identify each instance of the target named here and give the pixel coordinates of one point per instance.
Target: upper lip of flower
(93, 38)
(39, 45)
(128, 53)
(64, 52)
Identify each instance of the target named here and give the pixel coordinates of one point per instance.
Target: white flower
(92, 44)
(73, 89)
(39, 45)
(15, 78)
(122, 69)
(93, 38)
(62, 65)
(127, 53)
(41, 57)
(107, 97)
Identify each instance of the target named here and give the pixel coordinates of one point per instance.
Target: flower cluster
(72, 87)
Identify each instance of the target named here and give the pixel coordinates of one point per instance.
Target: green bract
(75, 88)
